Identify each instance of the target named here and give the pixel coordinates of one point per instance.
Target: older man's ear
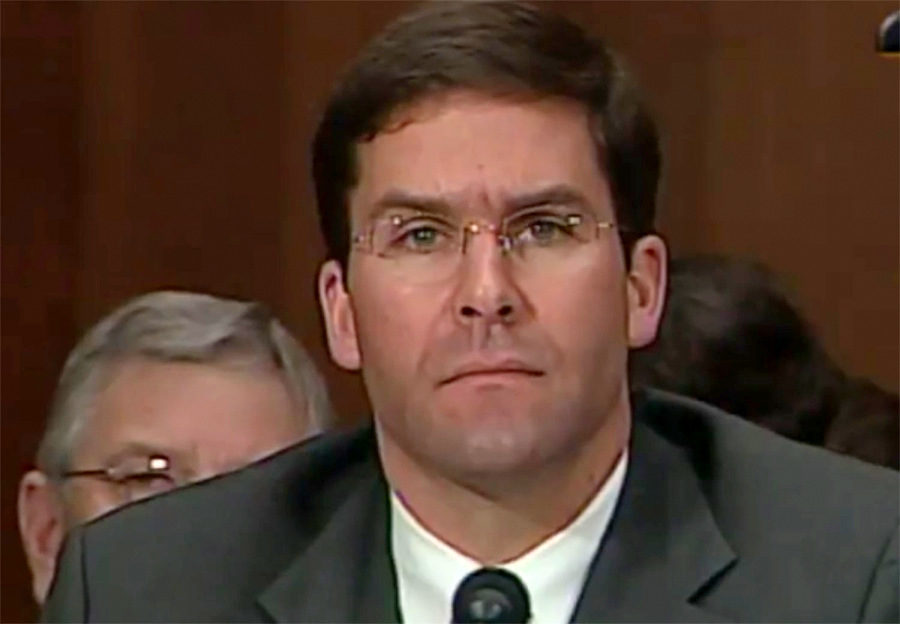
(42, 525)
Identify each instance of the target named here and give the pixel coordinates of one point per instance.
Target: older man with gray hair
(170, 388)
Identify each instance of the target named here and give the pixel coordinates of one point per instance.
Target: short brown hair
(503, 49)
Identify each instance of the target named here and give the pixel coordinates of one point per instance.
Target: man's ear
(42, 525)
(337, 309)
(646, 284)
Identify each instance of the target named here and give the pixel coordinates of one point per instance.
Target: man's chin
(496, 445)
(486, 406)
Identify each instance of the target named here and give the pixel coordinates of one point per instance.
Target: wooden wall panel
(666, 44)
(182, 151)
(801, 166)
(40, 164)
(150, 145)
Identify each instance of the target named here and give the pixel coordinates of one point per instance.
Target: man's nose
(487, 293)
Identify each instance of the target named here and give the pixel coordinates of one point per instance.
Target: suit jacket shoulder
(814, 534)
(205, 552)
(718, 520)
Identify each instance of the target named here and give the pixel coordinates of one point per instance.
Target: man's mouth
(505, 369)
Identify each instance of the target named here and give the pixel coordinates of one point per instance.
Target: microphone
(491, 596)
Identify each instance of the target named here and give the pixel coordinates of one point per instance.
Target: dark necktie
(491, 596)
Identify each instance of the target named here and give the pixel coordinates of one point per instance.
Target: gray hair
(173, 326)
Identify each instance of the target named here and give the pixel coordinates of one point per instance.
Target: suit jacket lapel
(663, 547)
(346, 574)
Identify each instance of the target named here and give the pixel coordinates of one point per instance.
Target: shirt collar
(429, 570)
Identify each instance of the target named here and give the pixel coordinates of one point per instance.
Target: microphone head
(491, 596)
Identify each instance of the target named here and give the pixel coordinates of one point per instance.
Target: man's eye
(147, 483)
(421, 237)
(542, 230)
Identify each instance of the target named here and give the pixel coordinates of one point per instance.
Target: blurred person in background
(867, 424)
(168, 389)
(729, 336)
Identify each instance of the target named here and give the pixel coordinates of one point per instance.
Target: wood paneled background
(149, 145)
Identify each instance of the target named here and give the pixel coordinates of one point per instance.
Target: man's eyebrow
(554, 194)
(399, 198)
(135, 449)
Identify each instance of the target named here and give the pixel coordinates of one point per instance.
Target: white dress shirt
(429, 570)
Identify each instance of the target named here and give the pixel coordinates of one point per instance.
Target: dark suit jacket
(718, 520)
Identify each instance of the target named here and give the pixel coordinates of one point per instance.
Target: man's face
(198, 419)
(498, 366)
(204, 419)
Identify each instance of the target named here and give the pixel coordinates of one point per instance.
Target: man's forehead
(471, 149)
(453, 112)
(432, 105)
(502, 199)
(154, 407)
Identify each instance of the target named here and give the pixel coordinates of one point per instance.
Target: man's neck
(499, 518)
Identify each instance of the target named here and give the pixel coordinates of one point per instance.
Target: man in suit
(486, 178)
(169, 388)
